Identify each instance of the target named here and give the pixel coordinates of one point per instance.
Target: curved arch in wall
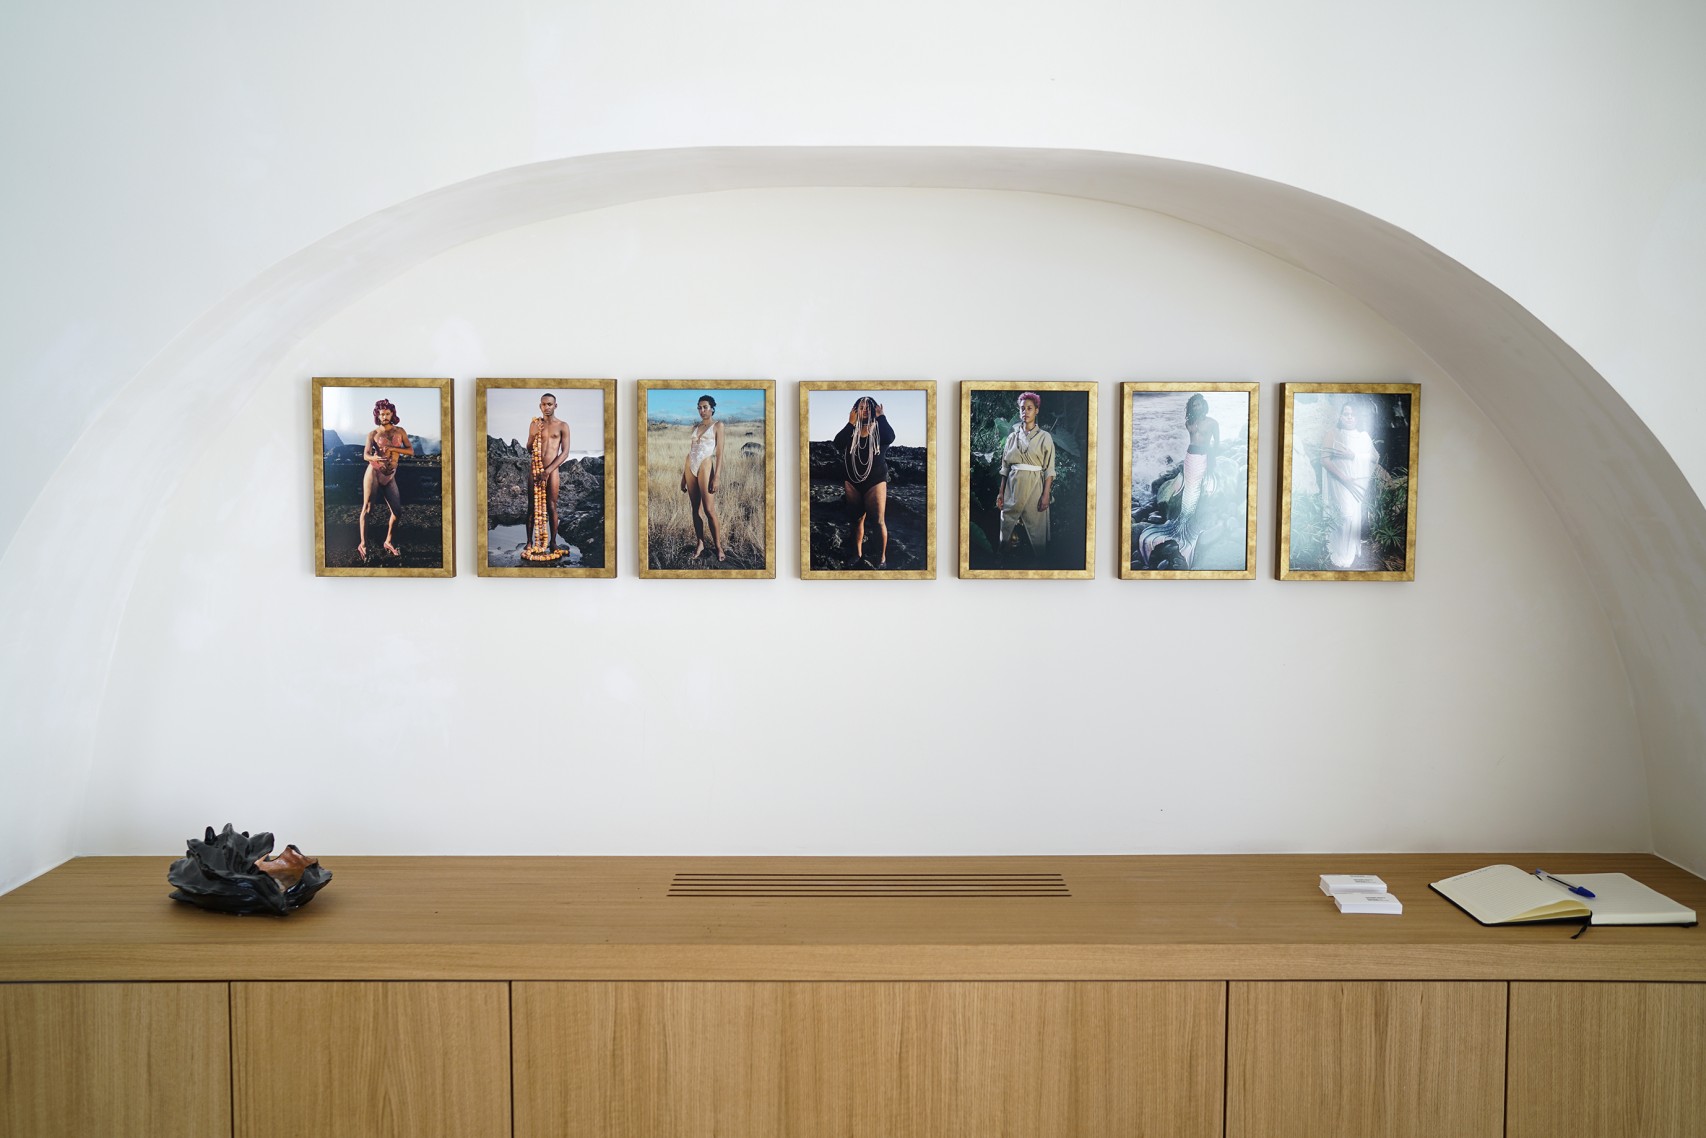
(1639, 527)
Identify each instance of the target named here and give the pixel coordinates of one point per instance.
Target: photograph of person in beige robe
(1027, 478)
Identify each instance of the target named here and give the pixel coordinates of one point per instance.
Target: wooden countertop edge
(1565, 960)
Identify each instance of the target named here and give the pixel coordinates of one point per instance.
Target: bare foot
(392, 550)
(361, 551)
(720, 556)
(700, 552)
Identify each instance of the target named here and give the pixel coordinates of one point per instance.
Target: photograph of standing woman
(705, 479)
(865, 480)
(1189, 473)
(1349, 459)
(1028, 488)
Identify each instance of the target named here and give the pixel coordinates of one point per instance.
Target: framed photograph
(1348, 481)
(1188, 464)
(384, 466)
(707, 477)
(545, 505)
(867, 480)
(1027, 479)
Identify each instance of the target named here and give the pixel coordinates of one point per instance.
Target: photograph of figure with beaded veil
(867, 491)
(545, 487)
(1028, 479)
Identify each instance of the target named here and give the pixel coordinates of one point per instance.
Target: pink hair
(386, 405)
(1033, 397)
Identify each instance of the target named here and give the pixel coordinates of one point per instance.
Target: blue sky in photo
(905, 411)
(680, 405)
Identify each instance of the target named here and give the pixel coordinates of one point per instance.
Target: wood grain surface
(364, 1060)
(868, 1060)
(1128, 918)
(1350, 1060)
(1606, 1060)
(115, 1060)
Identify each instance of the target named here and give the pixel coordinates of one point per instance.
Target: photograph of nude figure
(1188, 466)
(384, 465)
(707, 478)
(545, 485)
(1028, 480)
(867, 485)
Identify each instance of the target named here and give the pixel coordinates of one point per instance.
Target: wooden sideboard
(898, 997)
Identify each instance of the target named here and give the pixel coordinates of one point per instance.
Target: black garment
(879, 471)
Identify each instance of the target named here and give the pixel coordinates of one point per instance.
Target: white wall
(359, 715)
(162, 157)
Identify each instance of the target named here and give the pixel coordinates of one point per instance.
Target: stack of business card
(1359, 893)
(1367, 903)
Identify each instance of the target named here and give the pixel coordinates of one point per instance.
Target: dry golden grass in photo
(671, 544)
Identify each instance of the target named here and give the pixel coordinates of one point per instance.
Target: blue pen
(1576, 889)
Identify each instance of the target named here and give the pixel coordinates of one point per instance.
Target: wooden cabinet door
(117, 1060)
(1328, 1059)
(868, 1060)
(371, 1060)
(1593, 1060)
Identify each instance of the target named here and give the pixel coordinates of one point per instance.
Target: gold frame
(1090, 388)
(1282, 551)
(1248, 573)
(446, 479)
(482, 526)
(768, 386)
(928, 573)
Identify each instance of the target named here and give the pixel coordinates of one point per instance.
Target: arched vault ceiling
(1622, 499)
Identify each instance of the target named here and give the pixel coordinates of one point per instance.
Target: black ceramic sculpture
(231, 872)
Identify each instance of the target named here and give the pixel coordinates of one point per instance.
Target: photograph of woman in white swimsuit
(704, 476)
(699, 475)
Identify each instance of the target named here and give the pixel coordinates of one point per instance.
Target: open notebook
(1504, 894)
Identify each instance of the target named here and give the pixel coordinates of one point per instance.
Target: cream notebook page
(1503, 894)
(1621, 900)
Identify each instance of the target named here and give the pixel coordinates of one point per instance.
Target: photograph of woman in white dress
(1349, 462)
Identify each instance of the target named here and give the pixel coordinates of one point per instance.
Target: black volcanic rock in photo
(580, 496)
(907, 512)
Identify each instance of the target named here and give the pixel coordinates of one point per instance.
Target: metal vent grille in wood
(979, 886)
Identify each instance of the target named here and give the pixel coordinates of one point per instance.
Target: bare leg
(361, 518)
(710, 499)
(693, 497)
(395, 501)
(551, 499)
(878, 500)
(855, 510)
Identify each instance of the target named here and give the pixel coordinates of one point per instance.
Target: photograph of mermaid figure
(1348, 481)
(546, 508)
(383, 502)
(707, 472)
(1189, 467)
(1027, 479)
(867, 506)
